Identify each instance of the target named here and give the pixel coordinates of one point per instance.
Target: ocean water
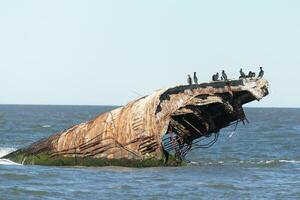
(257, 161)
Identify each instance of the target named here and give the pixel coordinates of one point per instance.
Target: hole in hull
(186, 131)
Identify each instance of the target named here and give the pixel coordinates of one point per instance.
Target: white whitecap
(4, 151)
(270, 161)
(194, 163)
(7, 162)
(289, 161)
(46, 126)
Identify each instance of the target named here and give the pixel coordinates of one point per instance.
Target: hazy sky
(108, 52)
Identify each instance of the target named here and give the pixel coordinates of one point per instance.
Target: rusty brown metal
(135, 132)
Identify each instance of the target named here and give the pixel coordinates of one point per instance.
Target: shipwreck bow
(154, 130)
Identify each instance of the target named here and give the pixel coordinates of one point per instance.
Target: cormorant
(243, 75)
(195, 78)
(224, 75)
(261, 73)
(189, 80)
(215, 77)
(251, 74)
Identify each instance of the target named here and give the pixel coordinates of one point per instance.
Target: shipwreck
(155, 130)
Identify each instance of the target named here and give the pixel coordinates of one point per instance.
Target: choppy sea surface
(257, 161)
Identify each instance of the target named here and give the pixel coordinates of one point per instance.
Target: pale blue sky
(103, 52)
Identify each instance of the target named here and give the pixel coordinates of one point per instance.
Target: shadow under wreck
(155, 130)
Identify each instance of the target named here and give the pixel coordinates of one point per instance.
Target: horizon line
(122, 105)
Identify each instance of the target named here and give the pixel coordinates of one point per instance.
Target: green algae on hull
(149, 131)
(46, 159)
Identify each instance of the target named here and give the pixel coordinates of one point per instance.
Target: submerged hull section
(154, 130)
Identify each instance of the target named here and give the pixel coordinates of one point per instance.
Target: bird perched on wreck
(251, 74)
(261, 73)
(224, 75)
(215, 77)
(195, 78)
(155, 130)
(189, 80)
(242, 74)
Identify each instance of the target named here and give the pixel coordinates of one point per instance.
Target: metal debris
(170, 122)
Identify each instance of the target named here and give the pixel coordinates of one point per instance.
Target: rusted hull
(155, 130)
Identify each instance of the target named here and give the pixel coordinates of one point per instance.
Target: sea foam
(4, 151)
(289, 161)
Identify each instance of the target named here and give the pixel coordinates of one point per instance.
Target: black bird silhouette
(261, 73)
(251, 74)
(189, 80)
(195, 78)
(224, 75)
(215, 77)
(243, 75)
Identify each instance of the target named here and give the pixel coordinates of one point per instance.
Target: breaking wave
(46, 126)
(289, 161)
(4, 151)
(266, 163)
